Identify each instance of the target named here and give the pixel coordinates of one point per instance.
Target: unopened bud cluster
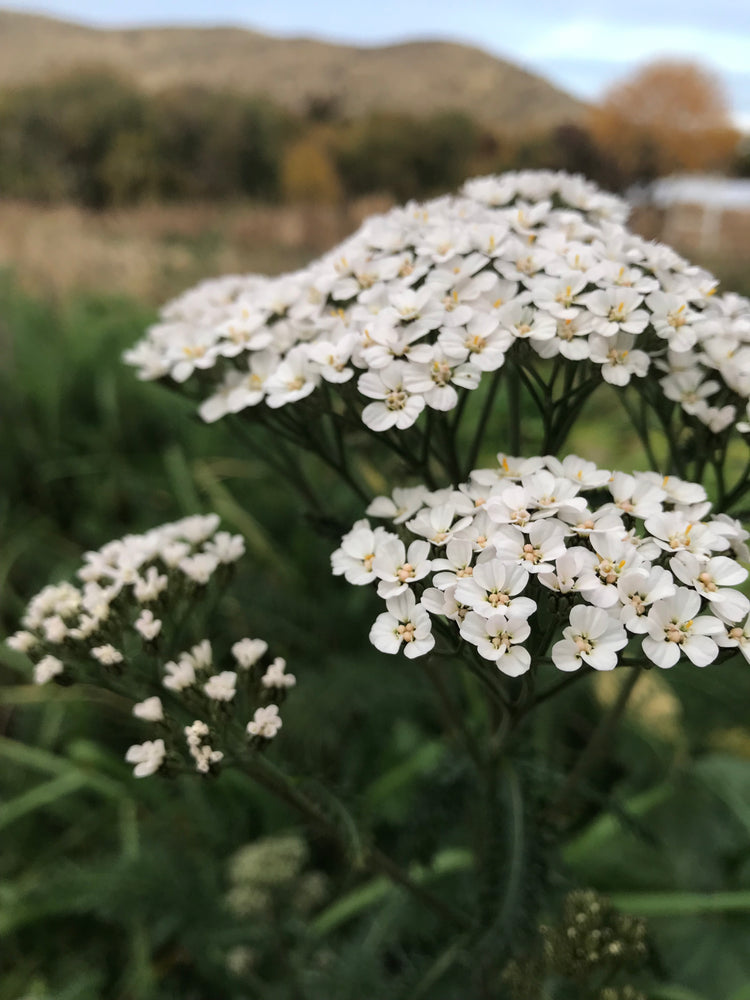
(592, 935)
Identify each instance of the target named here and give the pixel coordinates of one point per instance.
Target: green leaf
(42, 795)
(43, 760)
(365, 896)
(680, 904)
(674, 993)
(418, 763)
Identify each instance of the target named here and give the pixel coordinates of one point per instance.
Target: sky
(583, 47)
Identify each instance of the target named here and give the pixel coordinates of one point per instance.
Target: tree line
(95, 139)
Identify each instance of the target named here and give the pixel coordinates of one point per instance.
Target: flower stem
(275, 781)
(594, 748)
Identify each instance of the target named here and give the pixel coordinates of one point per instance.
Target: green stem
(482, 424)
(275, 781)
(640, 423)
(594, 748)
(453, 715)
(555, 689)
(514, 408)
(740, 487)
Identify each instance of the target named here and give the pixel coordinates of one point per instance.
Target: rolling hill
(418, 77)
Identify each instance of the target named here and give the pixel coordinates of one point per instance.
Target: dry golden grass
(418, 77)
(154, 251)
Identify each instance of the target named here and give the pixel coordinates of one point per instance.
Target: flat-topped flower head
(574, 565)
(420, 304)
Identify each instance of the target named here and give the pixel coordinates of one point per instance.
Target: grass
(114, 887)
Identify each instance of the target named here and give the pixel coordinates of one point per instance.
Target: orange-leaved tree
(667, 117)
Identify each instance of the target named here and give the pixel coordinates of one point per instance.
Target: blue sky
(583, 47)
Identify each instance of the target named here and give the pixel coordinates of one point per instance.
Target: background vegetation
(132, 890)
(118, 888)
(96, 139)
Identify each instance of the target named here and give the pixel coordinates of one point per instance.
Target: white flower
(179, 675)
(404, 622)
(535, 551)
(396, 568)
(673, 627)
(737, 636)
(637, 589)
(496, 637)
(200, 655)
(199, 567)
(359, 548)
(196, 733)
(618, 310)
(399, 507)
(147, 757)
(107, 655)
(149, 587)
(395, 406)
(147, 625)
(294, 379)
(47, 668)
(492, 588)
(225, 547)
(247, 652)
(618, 359)
(266, 722)
(456, 565)
(634, 496)
(222, 686)
(438, 524)
(713, 579)
(568, 569)
(673, 531)
(275, 676)
(22, 642)
(593, 637)
(55, 629)
(150, 710)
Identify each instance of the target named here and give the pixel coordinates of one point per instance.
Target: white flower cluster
(111, 631)
(422, 301)
(192, 676)
(540, 551)
(132, 576)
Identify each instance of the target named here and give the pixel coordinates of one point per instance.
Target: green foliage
(405, 156)
(93, 138)
(212, 888)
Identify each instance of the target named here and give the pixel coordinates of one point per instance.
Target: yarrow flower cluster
(540, 558)
(424, 300)
(113, 631)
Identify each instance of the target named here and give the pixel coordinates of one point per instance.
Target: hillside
(418, 77)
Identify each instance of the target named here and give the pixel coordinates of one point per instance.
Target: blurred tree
(129, 170)
(215, 145)
(54, 138)
(408, 157)
(308, 173)
(669, 116)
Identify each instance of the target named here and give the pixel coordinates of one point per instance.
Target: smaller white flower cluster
(191, 676)
(200, 750)
(131, 578)
(541, 553)
(114, 631)
(424, 301)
